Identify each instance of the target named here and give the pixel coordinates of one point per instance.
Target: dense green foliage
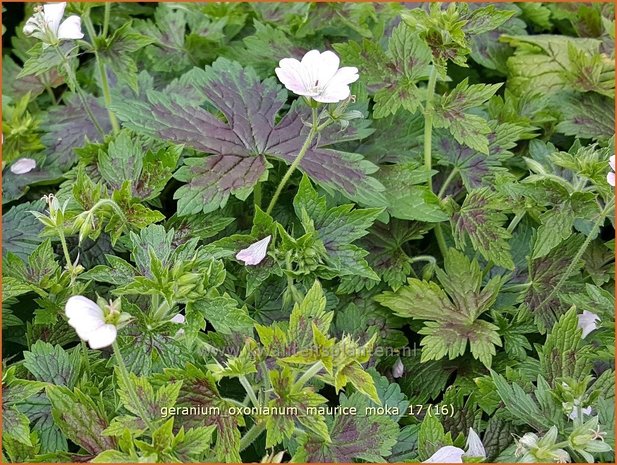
(440, 263)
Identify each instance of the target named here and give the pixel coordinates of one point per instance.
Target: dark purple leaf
(245, 128)
(68, 127)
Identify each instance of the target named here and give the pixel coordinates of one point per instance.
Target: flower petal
(587, 322)
(70, 29)
(447, 454)
(474, 445)
(23, 166)
(179, 318)
(32, 25)
(327, 67)
(291, 73)
(255, 253)
(612, 162)
(53, 13)
(79, 306)
(103, 337)
(334, 94)
(610, 178)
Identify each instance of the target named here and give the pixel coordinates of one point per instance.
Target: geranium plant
(308, 232)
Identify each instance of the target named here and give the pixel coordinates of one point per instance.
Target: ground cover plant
(342, 232)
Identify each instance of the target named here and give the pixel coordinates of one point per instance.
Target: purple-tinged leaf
(199, 391)
(18, 87)
(80, 419)
(245, 128)
(478, 169)
(212, 180)
(480, 218)
(588, 116)
(68, 127)
(361, 436)
(544, 274)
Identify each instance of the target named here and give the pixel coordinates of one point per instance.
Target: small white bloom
(587, 322)
(574, 414)
(88, 319)
(48, 26)
(317, 76)
(527, 442)
(23, 166)
(179, 319)
(610, 177)
(447, 454)
(398, 368)
(474, 445)
(255, 253)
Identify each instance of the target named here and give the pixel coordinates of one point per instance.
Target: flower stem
(135, 400)
(251, 435)
(249, 390)
(106, 19)
(594, 230)
(447, 182)
(101, 67)
(308, 374)
(428, 148)
(307, 143)
(80, 93)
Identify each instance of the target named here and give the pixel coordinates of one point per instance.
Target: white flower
(474, 445)
(23, 166)
(88, 319)
(398, 368)
(574, 414)
(47, 26)
(447, 454)
(317, 76)
(179, 319)
(610, 177)
(587, 322)
(255, 253)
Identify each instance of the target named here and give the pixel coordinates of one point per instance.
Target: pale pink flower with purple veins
(587, 322)
(398, 369)
(574, 414)
(317, 76)
(23, 166)
(610, 177)
(255, 253)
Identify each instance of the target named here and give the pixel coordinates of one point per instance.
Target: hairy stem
(307, 143)
(102, 73)
(308, 374)
(249, 390)
(136, 401)
(80, 93)
(106, 18)
(447, 182)
(428, 148)
(251, 435)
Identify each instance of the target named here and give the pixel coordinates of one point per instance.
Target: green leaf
(199, 391)
(565, 354)
(52, 364)
(337, 227)
(431, 437)
(394, 72)
(450, 113)
(21, 229)
(481, 219)
(289, 395)
(116, 52)
(406, 199)
(453, 310)
(223, 313)
(520, 404)
(80, 419)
